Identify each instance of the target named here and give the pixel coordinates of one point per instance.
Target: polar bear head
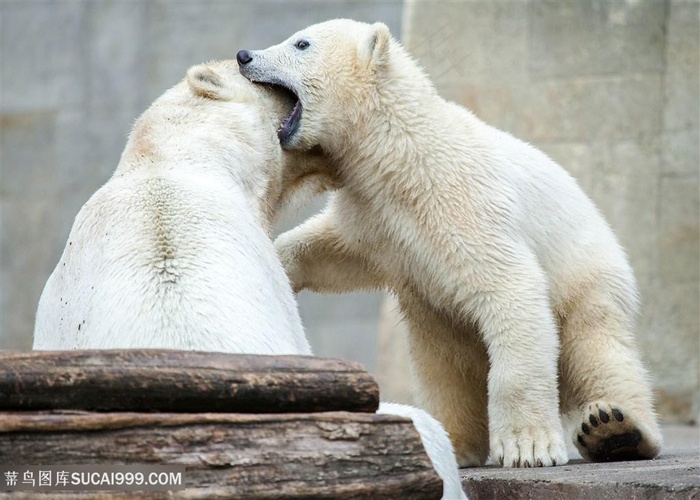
(285, 177)
(331, 69)
(226, 125)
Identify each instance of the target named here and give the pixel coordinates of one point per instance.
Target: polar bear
(175, 248)
(174, 251)
(511, 281)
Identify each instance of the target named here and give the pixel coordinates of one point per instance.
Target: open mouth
(290, 124)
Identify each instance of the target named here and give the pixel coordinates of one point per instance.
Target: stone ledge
(675, 475)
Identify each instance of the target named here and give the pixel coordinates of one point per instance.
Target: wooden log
(313, 455)
(182, 381)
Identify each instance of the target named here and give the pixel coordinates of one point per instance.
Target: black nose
(243, 57)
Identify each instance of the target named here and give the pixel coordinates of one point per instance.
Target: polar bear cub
(511, 281)
(174, 251)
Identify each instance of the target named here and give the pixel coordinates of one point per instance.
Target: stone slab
(675, 475)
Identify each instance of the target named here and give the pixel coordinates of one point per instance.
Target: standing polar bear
(510, 280)
(174, 251)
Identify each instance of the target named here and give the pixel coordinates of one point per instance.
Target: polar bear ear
(205, 82)
(374, 48)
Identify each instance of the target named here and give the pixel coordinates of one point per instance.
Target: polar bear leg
(606, 395)
(450, 367)
(315, 258)
(518, 328)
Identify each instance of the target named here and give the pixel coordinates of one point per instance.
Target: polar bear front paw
(610, 433)
(530, 447)
(287, 251)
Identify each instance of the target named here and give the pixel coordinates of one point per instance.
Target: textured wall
(75, 75)
(610, 91)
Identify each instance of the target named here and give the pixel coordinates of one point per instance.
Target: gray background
(608, 88)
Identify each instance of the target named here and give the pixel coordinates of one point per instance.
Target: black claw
(585, 428)
(618, 415)
(526, 464)
(594, 421)
(539, 463)
(580, 440)
(604, 417)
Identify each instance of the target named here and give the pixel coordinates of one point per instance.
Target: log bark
(182, 381)
(321, 455)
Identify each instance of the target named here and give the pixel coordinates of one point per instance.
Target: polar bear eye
(302, 44)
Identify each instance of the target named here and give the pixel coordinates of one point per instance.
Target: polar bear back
(164, 259)
(553, 215)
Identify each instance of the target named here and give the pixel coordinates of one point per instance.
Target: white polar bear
(174, 251)
(501, 263)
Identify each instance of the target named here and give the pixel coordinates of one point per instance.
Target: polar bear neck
(171, 140)
(170, 136)
(392, 113)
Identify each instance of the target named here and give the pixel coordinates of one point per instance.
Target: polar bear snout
(260, 71)
(243, 57)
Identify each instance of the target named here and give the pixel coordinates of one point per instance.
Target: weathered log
(182, 381)
(320, 455)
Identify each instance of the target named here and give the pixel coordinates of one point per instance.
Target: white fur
(500, 262)
(174, 251)
(436, 443)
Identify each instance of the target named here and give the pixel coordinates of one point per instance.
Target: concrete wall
(75, 75)
(610, 90)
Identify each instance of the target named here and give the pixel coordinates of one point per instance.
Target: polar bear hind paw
(608, 433)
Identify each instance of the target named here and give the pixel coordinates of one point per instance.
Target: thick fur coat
(174, 250)
(519, 299)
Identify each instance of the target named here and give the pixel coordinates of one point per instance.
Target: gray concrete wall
(610, 90)
(75, 75)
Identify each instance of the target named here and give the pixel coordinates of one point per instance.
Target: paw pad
(606, 435)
